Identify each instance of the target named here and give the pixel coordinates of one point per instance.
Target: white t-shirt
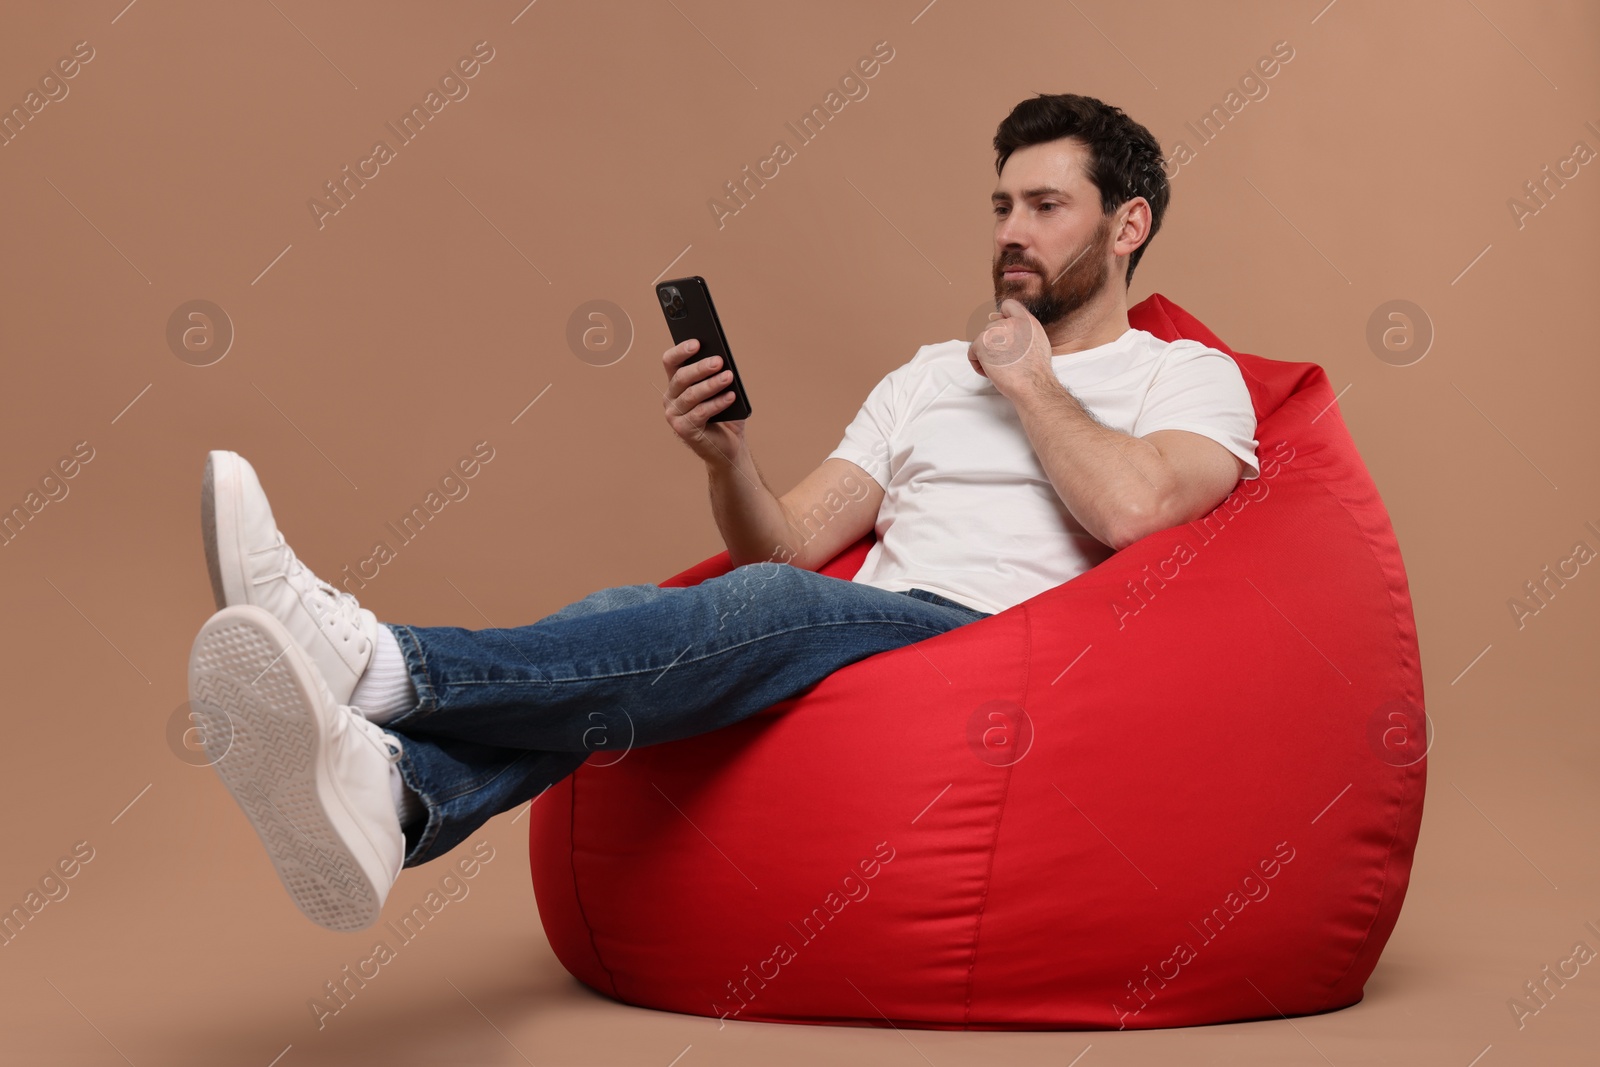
(968, 511)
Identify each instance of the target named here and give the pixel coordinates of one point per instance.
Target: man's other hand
(1012, 350)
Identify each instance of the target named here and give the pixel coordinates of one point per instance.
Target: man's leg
(282, 680)
(500, 714)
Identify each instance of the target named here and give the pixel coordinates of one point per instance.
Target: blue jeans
(504, 713)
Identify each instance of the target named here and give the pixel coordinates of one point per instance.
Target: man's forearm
(1113, 483)
(752, 520)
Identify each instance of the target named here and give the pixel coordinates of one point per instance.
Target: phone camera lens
(671, 300)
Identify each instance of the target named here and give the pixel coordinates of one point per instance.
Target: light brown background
(433, 309)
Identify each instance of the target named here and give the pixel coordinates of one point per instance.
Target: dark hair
(1125, 160)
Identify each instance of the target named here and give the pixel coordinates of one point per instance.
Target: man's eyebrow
(1030, 194)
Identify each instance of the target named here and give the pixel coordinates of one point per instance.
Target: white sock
(407, 804)
(385, 688)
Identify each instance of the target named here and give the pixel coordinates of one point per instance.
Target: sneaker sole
(220, 530)
(245, 672)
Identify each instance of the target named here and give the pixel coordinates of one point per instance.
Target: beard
(1055, 296)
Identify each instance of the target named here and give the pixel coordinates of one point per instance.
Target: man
(991, 472)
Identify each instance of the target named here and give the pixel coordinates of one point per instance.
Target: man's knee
(769, 578)
(765, 582)
(764, 571)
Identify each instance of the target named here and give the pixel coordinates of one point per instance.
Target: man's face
(1052, 243)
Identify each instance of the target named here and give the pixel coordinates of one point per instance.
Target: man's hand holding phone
(696, 390)
(705, 400)
(707, 405)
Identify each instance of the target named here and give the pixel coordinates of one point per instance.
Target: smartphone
(690, 313)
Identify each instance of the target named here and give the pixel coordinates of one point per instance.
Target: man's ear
(1127, 211)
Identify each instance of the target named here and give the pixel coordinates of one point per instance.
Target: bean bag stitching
(577, 892)
(1369, 534)
(994, 840)
(1399, 803)
(1402, 801)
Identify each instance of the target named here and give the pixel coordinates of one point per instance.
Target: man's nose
(1010, 235)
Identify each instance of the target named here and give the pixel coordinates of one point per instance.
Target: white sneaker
(312, 775)
(250, 563)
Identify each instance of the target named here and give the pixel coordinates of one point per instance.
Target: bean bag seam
(994, 839)
(1399, 804)
(1395, 617)
(577, 890)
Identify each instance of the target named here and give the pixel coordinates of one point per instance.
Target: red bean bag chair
(1183, 787)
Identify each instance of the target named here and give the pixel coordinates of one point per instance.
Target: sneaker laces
(339, 601)
(385, 742)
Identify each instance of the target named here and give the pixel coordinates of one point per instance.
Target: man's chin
(1017, 290)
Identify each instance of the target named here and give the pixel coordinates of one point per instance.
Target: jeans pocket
(944, 602)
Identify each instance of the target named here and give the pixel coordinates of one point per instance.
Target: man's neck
(1099, 322)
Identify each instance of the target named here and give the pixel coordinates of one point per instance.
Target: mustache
(1008, 263)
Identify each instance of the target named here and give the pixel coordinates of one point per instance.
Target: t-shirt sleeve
(866, 441)
(1200, 389)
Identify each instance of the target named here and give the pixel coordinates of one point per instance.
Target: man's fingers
(677, 354)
